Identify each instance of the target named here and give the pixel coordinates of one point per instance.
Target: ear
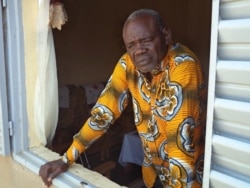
(168, 35)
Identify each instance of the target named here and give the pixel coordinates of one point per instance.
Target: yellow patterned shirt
(169, 115)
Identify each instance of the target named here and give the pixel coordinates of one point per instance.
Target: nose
(139, 48)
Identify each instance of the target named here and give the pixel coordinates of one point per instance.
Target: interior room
(87, 48)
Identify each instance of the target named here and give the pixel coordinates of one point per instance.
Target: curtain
(46, 89)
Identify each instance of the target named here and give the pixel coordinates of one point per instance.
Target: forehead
(140, 27)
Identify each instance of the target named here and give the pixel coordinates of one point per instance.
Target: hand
(51, 169)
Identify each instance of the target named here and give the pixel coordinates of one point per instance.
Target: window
(12, 97)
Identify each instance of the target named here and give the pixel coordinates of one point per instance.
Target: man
(168, 93)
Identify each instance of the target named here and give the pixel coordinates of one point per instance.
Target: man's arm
(108, 108)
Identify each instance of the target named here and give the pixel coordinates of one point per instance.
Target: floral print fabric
(169, 115)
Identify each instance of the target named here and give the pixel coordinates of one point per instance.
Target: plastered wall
(14, 175)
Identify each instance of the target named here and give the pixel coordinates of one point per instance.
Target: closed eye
(146, 40)
(143, 42)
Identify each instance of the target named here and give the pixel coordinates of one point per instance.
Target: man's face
(145, 43)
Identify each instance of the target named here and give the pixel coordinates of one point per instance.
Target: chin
(143, 70)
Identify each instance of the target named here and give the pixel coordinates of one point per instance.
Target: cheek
(156, 53)
(160, 51)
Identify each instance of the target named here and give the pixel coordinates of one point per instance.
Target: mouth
(142, 61)
(143, 65)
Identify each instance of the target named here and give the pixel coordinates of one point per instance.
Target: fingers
(44, 172)
(52, 169)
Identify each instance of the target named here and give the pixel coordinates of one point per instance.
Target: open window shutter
(4, 127)
(227, 160)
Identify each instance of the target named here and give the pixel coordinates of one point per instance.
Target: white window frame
(4, 126)
(13, 107)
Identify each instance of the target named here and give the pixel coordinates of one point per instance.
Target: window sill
(76, 176)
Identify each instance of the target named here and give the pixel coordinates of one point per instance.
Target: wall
(15, 175)
(90, 43)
